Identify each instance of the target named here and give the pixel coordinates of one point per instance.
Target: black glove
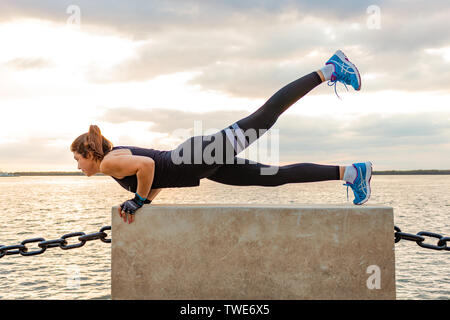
(130, 206)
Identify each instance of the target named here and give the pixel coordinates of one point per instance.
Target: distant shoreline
(390, 172)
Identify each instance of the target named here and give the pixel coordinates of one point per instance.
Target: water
(49, 207)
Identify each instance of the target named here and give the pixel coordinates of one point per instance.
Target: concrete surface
(219, 251)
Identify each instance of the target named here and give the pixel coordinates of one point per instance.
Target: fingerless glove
(132, 205)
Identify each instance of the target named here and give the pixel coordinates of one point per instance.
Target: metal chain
(61, 242)
(419, 238)
(43, 244)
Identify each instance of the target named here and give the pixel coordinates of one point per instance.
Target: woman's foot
(339, 69)
(344, 71)
(361, 183)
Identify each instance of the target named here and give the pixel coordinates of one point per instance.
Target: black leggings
(223, 166)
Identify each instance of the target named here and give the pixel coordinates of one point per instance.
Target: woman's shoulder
(155, 154)
(119, 150)
(134, 150)
(131, 148)
(121, 147)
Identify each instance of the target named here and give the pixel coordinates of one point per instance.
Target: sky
(148, 72)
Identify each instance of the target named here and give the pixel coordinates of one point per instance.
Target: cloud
(252, 59)
(28, 63)
(166, 120)
(365, 132)
(247, 48)
(38, 152)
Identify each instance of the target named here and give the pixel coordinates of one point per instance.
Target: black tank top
(167, 174)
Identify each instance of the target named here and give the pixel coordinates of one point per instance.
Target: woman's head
(89, 149)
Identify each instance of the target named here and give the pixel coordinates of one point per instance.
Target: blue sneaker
(361, 185)
(344, 72)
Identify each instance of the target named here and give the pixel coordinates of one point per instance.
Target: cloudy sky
(143, 71)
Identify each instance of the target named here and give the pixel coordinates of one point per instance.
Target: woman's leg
(249, 174)
(210, 152)
(265, 117)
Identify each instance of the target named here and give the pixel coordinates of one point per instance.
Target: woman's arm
(153, 193)
(145, 176)
(127, 165)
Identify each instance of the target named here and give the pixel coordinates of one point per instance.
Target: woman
(146, 171)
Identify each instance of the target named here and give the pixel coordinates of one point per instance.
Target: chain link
(61, 243)
(419, 238)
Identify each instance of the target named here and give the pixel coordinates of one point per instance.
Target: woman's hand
(129, 208)
(126, 216)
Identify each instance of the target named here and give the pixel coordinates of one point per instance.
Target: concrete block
(218, 251)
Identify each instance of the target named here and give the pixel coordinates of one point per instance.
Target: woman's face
(88, 166)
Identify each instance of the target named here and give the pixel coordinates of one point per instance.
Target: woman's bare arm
(127, 165)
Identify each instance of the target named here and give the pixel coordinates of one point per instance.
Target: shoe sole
(368, 175)
(343, 57)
